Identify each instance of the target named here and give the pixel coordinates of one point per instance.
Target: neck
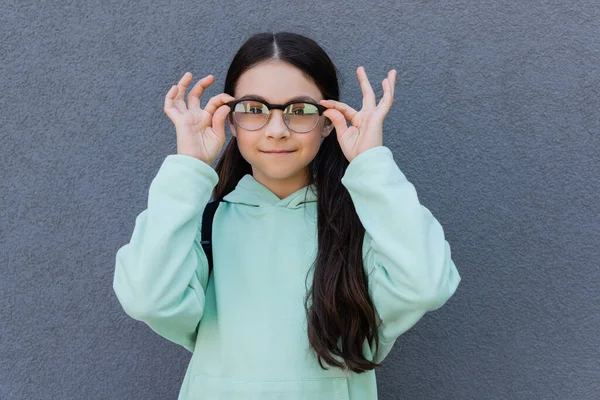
(282, 188)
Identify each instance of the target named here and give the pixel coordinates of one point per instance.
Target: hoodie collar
(250, 192)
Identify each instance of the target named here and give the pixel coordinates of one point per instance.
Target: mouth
(278, 152)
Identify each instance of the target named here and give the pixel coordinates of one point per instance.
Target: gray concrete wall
(496, 121)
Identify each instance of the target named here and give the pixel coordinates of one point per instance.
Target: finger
(338, 120)
(393, 81)
(217, 101)
(181, 88)
(391, 78)
(367, 90)
(219, 118)
(385, 102)
(348, 112)
(194, 95)
(388, 95)
(170, 108)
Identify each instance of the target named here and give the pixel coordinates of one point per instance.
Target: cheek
(246, 142)
(315, 143)
(314, 140)
(311, 145)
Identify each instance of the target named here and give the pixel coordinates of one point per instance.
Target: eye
(303, 109)
(298, 108)
(253, 107)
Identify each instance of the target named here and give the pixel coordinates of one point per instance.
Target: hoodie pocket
(216, 388)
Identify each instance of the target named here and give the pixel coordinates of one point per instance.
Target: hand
(200, 132)
(366, 130)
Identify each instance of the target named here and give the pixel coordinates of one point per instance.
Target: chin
(282, 170)
(280, 173)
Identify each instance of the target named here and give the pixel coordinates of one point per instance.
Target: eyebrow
(297, 98)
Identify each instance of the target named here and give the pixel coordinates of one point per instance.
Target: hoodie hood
(250, 192)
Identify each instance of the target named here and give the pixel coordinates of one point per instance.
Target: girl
(323, 254)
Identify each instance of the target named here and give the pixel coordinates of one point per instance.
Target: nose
(276, 127)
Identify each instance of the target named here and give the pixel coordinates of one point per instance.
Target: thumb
(338, 120)
(218, 119)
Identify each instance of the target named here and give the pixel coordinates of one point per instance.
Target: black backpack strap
(206, 233)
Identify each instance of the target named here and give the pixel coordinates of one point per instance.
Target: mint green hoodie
(246, 323)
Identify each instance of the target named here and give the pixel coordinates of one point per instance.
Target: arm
(407, 258)
(161, 274)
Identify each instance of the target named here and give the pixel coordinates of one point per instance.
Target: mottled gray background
(496, 121)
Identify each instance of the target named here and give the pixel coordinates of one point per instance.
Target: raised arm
(162, 273)
(407, 258)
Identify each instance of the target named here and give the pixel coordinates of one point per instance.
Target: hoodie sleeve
(161, 274)
(407, 258)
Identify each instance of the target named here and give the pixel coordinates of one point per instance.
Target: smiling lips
(278, 151)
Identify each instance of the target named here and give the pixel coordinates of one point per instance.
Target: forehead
(277, 82)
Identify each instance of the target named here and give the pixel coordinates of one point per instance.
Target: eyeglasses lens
(299, 117)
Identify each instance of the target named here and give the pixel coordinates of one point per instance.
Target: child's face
(278, 82)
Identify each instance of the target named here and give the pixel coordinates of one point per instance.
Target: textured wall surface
(496, 121)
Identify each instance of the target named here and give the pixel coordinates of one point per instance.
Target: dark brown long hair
(340, 313)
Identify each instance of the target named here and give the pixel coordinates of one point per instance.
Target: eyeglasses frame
(281, 107)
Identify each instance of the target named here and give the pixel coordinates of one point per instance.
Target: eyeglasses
(253, 114)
